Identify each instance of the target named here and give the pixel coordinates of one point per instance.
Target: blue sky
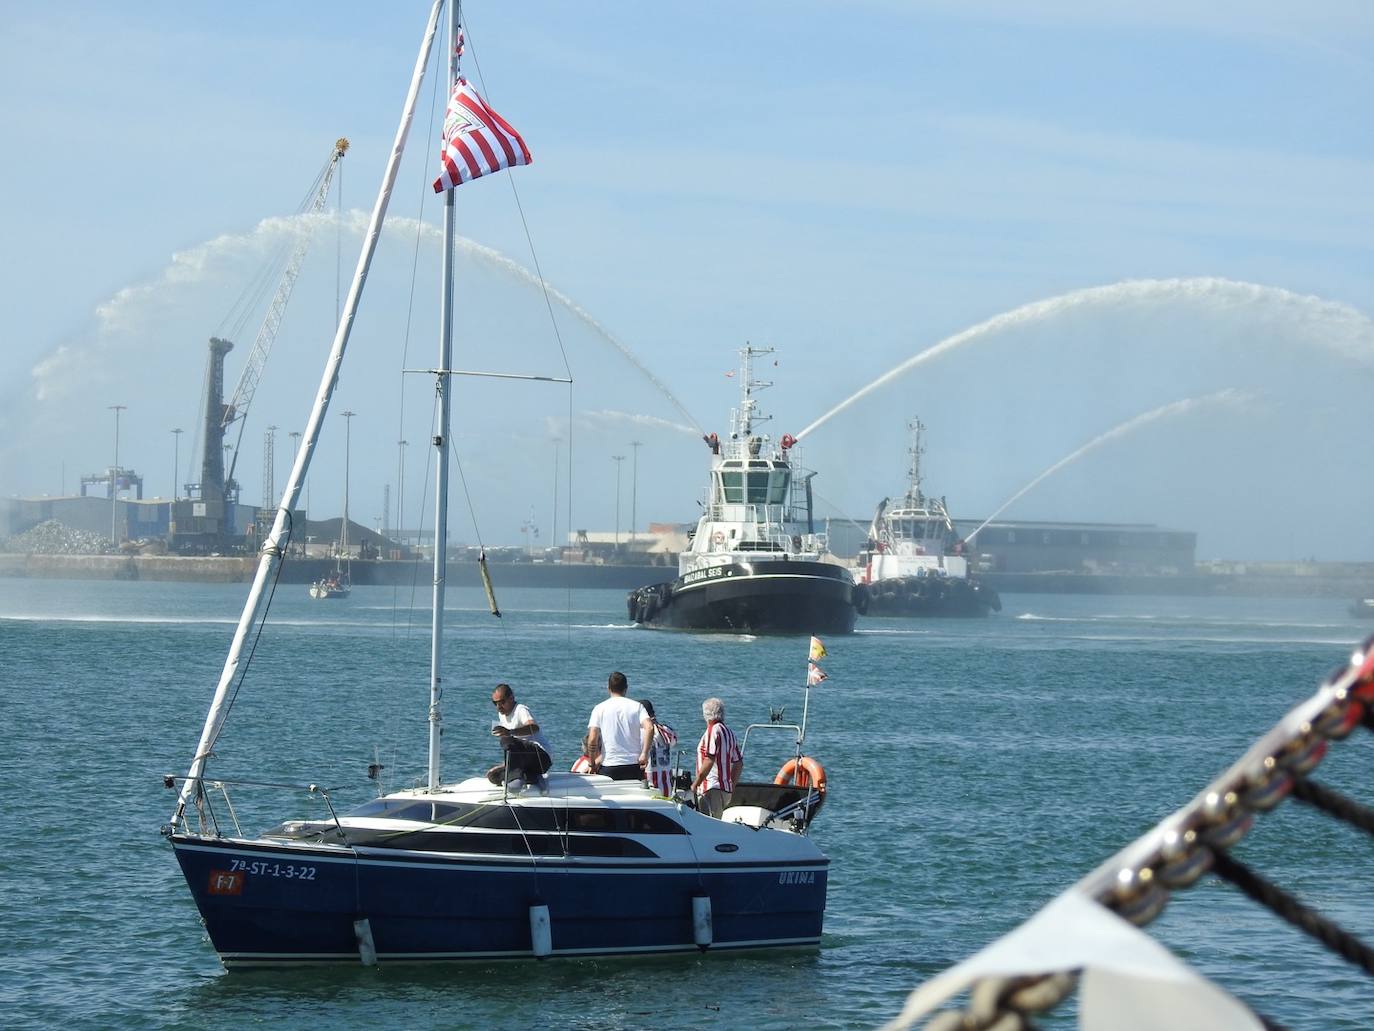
(851, 184)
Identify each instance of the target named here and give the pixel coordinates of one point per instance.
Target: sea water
(976, 769)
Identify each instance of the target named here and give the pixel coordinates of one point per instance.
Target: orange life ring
(803, 773)
(718, 537)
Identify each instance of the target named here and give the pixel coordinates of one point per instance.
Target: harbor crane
(208, 516)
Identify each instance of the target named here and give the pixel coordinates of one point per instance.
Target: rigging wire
(553, 321)
(261, 620)
(408, 632)
(405, 351)
(251, 296)
(1333, 803)
(338, 251)
(1288, 908)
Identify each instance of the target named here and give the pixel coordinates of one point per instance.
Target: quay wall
(304, 571)
(1348, 583)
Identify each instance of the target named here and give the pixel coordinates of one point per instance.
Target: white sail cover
(1129, 981)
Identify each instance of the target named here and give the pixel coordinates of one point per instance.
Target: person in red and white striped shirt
(719, 760)
(584, 761)
(659, 773)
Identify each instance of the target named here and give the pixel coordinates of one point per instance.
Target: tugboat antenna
(747, 416)
(915, 450)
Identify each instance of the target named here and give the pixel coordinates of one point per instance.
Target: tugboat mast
(747, 415)
(915, 450)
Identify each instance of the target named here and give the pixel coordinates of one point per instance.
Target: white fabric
(619, 719)
(1130, 982)
(518, 717)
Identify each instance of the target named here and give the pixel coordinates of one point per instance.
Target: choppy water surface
(976, 768)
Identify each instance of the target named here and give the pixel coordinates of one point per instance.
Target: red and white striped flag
(477, 141)
(814, 674)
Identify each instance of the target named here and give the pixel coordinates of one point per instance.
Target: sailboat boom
(491, 375)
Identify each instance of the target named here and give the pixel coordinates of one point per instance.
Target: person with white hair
(719, 760)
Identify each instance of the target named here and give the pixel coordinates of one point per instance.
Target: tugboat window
(732, 487)
(758, 488)
(777, 491)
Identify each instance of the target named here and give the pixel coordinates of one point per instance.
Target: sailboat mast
(274, 547)
(441, 444)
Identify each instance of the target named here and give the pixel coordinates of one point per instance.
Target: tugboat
(914, 564)
(755, 563)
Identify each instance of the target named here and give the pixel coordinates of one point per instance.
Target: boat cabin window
(586, 820)
(412, 809)
(523, 844)
(918, 529)
(767, 488)
(763, 484)
(526, 818)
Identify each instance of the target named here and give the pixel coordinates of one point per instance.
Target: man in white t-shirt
(619, 731)
(527, 751)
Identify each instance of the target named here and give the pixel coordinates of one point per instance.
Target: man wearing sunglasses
(527, 752)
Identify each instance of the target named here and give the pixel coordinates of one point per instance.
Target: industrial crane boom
(237, 407)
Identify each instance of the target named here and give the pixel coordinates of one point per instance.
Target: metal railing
(209, 819)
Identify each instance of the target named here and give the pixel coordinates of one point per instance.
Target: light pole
(617, 459)
(348, 443)
(269, 494)
(634, 490)
(114, 477)
(553, 522)
(176, 460)
(401, 446)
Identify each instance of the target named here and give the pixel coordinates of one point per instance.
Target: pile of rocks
(54, 538)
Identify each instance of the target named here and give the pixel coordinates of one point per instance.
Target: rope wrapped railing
(1137, 883)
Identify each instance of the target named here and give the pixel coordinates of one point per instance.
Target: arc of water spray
(497, 260)
(1229, 396)
(191, 265)
(1345, 329)
(607, 415)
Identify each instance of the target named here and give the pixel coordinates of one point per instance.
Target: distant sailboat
(339, 583)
